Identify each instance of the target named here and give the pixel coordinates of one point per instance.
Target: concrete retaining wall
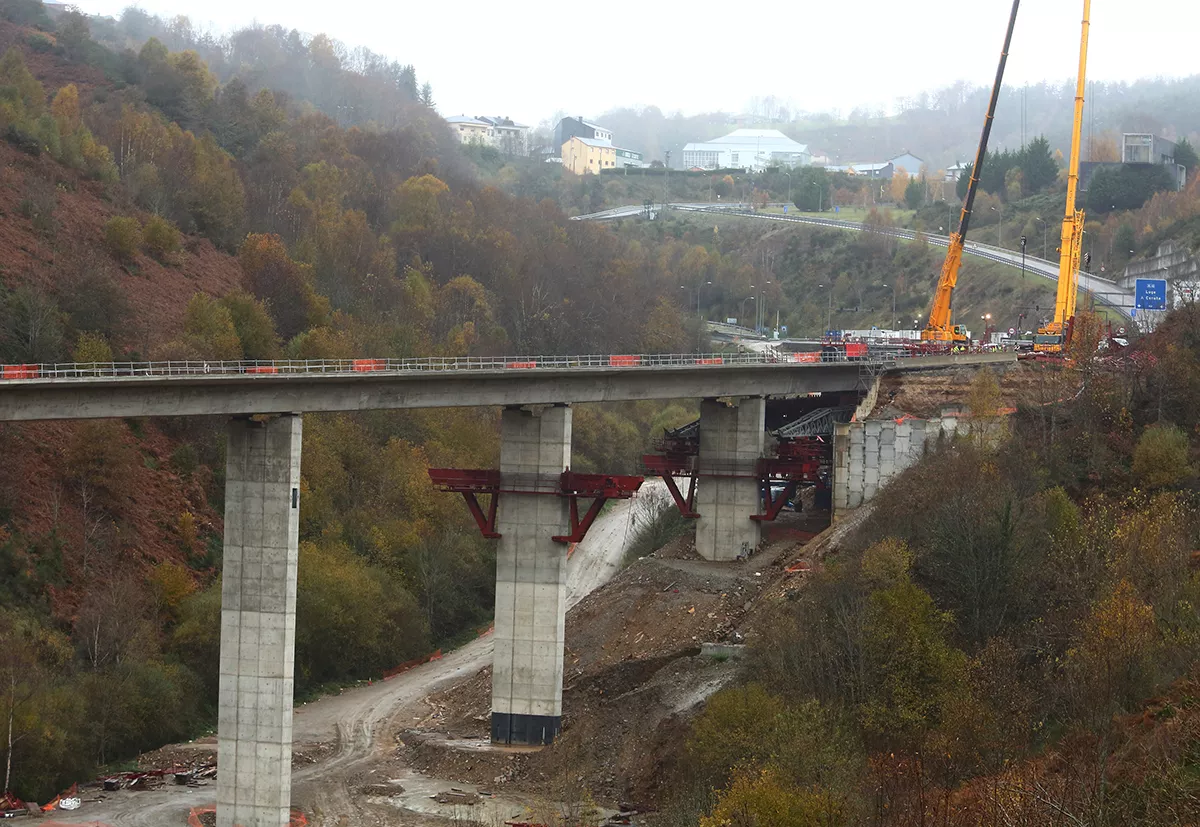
(866, 455)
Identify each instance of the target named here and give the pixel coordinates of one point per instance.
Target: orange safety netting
(298, 819)
(404, 667)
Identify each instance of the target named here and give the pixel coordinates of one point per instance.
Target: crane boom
(939, 327)
(1053, 336)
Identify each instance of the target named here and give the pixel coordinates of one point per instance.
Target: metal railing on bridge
(431, 364)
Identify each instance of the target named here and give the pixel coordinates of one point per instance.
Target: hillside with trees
(1019, 646)
(156, 206)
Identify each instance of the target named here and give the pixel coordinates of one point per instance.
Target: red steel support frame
(599, 488)
(668, 468)
(798, 463)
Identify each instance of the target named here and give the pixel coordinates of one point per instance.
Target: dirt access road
(362, 723)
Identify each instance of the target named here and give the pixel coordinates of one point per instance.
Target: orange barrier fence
(19, 371)
(804, 357)
(262, 369)
(624, 361)
(521, 365)
(368, 365)
(717, 361)
(404, 667)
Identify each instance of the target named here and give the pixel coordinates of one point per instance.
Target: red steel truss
(599, 488)
(798, 462)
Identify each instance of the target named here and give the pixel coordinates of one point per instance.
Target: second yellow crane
(1054, 336)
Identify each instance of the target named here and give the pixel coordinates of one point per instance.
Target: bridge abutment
(732, 437)
(258, 622)
(531, 590)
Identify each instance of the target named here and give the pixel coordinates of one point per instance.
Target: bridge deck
(224, 388)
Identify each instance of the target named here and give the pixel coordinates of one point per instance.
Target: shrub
(38, 205)
(40, 43)
(23, 140)
(185, 459)
(92, 348)
(123, 237)
(1160, 459)
(160, 237)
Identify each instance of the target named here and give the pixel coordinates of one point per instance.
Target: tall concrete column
(728, 494)
(531, 588)
(258, 622)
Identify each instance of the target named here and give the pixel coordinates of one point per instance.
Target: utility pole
(667, 176)
(1022, 257)
(829, 314)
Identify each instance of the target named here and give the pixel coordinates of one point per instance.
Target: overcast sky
(531, 58)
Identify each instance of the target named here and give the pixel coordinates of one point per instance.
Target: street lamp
(789, 177)
(699, 289)
(893, 306)
(760, 311)
(747, 299)
(1000, 243)
(829, 313)
(1045, 233)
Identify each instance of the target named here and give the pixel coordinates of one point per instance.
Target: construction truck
(1056, 335)
(940, 331)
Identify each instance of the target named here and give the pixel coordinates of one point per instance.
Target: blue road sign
(1150, 294)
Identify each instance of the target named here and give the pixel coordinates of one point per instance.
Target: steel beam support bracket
(599, 488)
(668, 468)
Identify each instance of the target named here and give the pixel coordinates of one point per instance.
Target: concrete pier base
(258, 622)
(531, 588)
(731, 443)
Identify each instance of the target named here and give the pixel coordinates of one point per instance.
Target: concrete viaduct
(266, 402)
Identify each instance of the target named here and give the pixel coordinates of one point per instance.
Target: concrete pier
(531, 590)
(258, 622)
(731, 443)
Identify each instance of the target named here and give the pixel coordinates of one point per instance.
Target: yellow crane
(1053, 337)
(939, 328)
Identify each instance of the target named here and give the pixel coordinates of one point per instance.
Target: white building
(469, 130)
(752, 149)
(953, 173)
(503, 133)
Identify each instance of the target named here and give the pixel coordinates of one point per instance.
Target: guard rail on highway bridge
(198, 388)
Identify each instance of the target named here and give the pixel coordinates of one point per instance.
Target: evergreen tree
(1038, 164)
(914, 193)
(1185, 154)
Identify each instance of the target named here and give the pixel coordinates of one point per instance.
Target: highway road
(1106, 291)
